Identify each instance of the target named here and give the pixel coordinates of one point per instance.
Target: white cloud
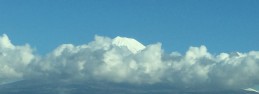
(102, 59)
(13, 60)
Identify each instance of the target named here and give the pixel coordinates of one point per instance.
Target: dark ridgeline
(59, 87)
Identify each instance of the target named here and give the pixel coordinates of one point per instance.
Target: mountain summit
(133, 45)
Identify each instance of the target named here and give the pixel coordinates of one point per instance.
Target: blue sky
(221, 25)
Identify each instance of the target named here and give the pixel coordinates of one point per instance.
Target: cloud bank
(125, 60)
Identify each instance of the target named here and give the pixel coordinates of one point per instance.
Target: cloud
(105, 60)
(13, 60)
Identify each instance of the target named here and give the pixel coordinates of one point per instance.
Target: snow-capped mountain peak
(133, 45)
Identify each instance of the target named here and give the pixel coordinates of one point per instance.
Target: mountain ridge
(60, 87)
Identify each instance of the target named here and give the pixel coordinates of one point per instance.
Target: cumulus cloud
(125, 60)
(13, 60)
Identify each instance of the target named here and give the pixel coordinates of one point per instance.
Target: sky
(191, 45)
(221, 25)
